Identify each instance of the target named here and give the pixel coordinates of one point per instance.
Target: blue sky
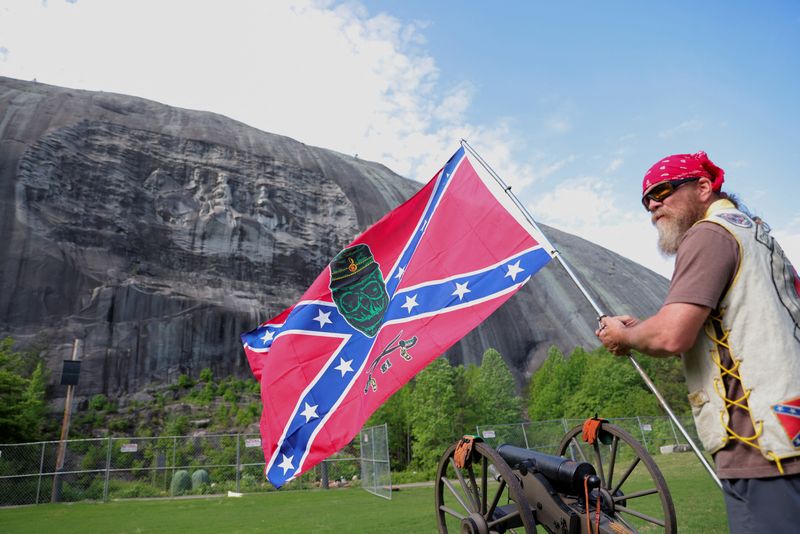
(570, 101)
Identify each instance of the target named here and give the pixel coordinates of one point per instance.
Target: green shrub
(249, 482)
(143, 431)
(124, 490)
(206, 375)
(181, 483)
(176, 425)
(208, 393)
(408, 476)
(94, 491)
(249, 414)
(253, 386)
(200, 479)
(120, 424)
(185, 381)
(94, 458)
(98, 402)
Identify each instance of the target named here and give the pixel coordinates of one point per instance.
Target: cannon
(609, 484)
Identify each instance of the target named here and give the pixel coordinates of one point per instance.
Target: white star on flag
(268, 335)
(411, 303)
(513, 271)
(344, 366)
(323, 318)
(461, 290)
(310, 412)
(286, 463)
(400, 272)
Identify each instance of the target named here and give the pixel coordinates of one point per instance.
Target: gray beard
(671, 230)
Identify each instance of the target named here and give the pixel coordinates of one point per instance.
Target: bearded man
(733, 314)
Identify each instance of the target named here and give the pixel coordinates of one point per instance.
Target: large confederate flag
(388, 304)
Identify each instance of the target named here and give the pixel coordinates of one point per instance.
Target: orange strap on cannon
(463, 453)
(591, 429)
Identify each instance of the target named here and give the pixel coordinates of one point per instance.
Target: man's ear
(705, 189)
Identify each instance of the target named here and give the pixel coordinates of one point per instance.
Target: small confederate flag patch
(788, 414)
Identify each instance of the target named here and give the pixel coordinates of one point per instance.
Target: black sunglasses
(663, 190)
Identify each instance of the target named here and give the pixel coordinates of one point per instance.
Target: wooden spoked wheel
(633, 490)
(482, 497)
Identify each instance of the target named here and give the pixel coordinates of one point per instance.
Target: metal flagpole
(597, 309)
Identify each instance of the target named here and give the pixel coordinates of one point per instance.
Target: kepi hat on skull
(351, 265)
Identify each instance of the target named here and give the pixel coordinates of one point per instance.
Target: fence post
(238, 463)
(569, 447)
(324, 480)
(641, 430)
(41, 468)
(174, 446)
(673, 430)
(385, 453)
(108, 470)
(374, 462)
(524, 435)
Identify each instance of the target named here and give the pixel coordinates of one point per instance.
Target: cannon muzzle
(565, 475)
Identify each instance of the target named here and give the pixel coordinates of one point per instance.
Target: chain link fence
(117, 468)
(376, 475)
(653, 432)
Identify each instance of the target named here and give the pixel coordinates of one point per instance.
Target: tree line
(23, 379)
(444, 402)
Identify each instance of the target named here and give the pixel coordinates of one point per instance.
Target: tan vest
(758, 319)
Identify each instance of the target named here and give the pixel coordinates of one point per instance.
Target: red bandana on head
(680, 166)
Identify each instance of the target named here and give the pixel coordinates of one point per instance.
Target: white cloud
(558, 124)
(328, 75)
(454, 103)
(614, 165)
(736, 164)
(692, 125)
(331, 76)
(586, 207)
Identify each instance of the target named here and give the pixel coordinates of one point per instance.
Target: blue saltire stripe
(442, 183)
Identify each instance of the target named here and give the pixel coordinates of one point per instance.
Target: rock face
(157, 235)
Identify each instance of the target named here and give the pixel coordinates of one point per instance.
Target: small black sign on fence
(70, 372)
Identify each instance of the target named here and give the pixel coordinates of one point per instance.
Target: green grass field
(698, 503)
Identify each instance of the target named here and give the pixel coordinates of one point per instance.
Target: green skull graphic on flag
(358, 289)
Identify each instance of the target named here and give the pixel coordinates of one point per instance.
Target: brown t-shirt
(707, 260)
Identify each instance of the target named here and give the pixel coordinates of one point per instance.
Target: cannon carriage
(600, 481)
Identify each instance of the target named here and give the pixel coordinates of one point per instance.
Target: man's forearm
(672, 331)
(650, 338)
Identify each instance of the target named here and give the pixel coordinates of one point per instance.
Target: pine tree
(22, 388)
(434, 406)
(493, 393)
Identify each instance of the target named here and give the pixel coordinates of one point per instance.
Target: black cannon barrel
(566, 476)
